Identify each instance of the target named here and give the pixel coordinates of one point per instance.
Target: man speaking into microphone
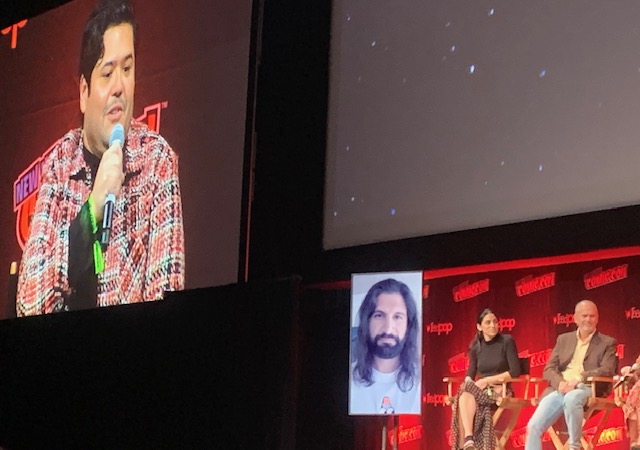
(107, 227)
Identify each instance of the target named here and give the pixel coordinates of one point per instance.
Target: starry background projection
(453, 115)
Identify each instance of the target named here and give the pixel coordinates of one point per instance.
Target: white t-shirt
(383, 396)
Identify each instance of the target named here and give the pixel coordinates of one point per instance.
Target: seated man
(576, 356)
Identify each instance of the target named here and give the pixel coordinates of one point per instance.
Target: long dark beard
(385, 351)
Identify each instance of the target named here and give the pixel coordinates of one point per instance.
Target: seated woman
(493, 357)
(631, 408)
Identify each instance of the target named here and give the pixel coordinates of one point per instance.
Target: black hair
(409, 355)
(478, 338)
(106, 14)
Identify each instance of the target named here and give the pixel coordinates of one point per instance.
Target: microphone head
(111, 198)
(117, 134)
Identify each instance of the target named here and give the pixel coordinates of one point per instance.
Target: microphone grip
(107, 219)
(627, 376)
(621, 380)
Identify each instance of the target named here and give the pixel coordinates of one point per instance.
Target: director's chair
(602, 406)
(504, 403)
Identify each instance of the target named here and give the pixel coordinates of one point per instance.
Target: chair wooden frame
(594, 405)
(504, 403)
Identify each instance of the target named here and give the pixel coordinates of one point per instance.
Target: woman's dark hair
(478, 338)
(106, 14)
(409, 355)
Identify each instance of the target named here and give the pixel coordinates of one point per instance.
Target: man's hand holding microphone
(108, 182)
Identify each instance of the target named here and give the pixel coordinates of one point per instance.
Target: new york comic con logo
(25, 188)
(466, 290)
(600, 277)
(529, 284)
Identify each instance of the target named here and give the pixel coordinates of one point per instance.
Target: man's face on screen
(110, 99)
(388, 326)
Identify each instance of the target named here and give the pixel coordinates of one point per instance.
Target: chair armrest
(536, 381)
(594, 380)
(520, 379)
(450, 381)
(619, 388)
(601, 379)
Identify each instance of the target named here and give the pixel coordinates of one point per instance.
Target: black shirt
(492, 357)
(83, 280)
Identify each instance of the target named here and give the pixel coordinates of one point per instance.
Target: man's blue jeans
(551, 408)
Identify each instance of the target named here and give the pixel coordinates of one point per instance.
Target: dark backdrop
(203, 369)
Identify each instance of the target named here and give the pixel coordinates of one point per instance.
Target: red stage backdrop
(535, 300)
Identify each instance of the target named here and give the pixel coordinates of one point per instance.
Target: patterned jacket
(145, 256)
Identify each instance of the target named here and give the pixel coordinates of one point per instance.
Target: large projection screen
(457, 115)
(192, 65)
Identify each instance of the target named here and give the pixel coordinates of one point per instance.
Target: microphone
(116, 137)
(633, 369)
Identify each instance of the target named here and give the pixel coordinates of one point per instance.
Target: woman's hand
(482, 383)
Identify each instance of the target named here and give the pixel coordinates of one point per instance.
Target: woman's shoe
(469, 445)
